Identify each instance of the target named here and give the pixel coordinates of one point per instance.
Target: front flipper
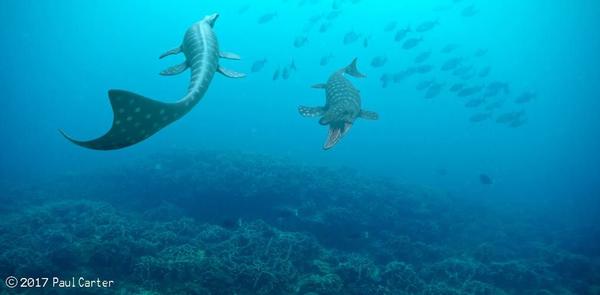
(368, 115)
(174, 70)
(230, 73)
(311, 111)
(171, 52)
(135, 119)
(229, 55)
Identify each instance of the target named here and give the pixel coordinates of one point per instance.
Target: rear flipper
(311, 111)
(135, 119)
(368, 115)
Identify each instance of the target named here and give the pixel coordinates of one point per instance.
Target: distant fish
(423, 56)
(276, 74)
(485, 179)
(510, 117)
(401, 34)
(293, 66)
(324, 27)
(480, 52)
(366, 42)
(412, 43)
(525, 97)
(385, 80)
(300, 41)
(243, 9)
(469, 91)
(424, 69)
(427, 26)
(470, 11)
(480, 117)
(475, 102)
(494, 105)
(325, 60)
(333, 14)
(424, 85)
(267, 17)
(285, 73)
(451, 64)
(449, 48)
(457, 87)
(258, 65)
(390, 26)
(434, 90)
(483, 73)
(351, 37)
(462, 70)
(378, 61)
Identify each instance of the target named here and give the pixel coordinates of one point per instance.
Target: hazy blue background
(60, 58)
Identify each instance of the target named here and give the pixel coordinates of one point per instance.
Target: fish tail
(135, 118)
(352, 70)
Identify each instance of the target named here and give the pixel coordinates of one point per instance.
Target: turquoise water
(61, 57)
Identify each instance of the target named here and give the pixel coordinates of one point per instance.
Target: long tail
(352, 70)
(135, 119)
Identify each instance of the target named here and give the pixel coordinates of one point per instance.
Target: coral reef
(231, 223)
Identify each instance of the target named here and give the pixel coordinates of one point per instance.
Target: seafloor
(231, 223)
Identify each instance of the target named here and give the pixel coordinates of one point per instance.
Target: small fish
(434, 90)
(267, 17)
(510, 117)
(285, 73)
(366, 42)
(378, 61)
(495, 105)
(427, 26)
(385, 80)
(485, 179)
(483, 73)
(463, 70)
(525, 97)
(480, 117)
(518, 123)
(452, 64)
(423, 56)
(326, 59)
(333, 14)
(424, 85)
(481, 52)
(457, 87)
(293, 66)
(324, 27)
(276, 74)
(401, 34)
(258, 65)
(449, 48)
(412, 43)
(390, 26)
(424, 69)
(300, 41)
(473, 103)
(351, 37)
(470, 11)
(469, 91)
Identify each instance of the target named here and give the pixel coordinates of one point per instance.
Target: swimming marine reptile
(137, 118)
(342, 105)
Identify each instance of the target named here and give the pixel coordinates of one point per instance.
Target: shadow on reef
(232, 223)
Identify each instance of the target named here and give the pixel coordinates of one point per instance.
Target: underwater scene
(309, 147)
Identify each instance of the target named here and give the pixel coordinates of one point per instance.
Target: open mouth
(337, 130)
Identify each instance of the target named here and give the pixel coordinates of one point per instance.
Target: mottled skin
(342, 105)
(137, 118)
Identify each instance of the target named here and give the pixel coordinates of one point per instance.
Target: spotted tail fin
(352, 70)
(135, 119)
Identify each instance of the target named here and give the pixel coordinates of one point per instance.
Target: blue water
(61, 57)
